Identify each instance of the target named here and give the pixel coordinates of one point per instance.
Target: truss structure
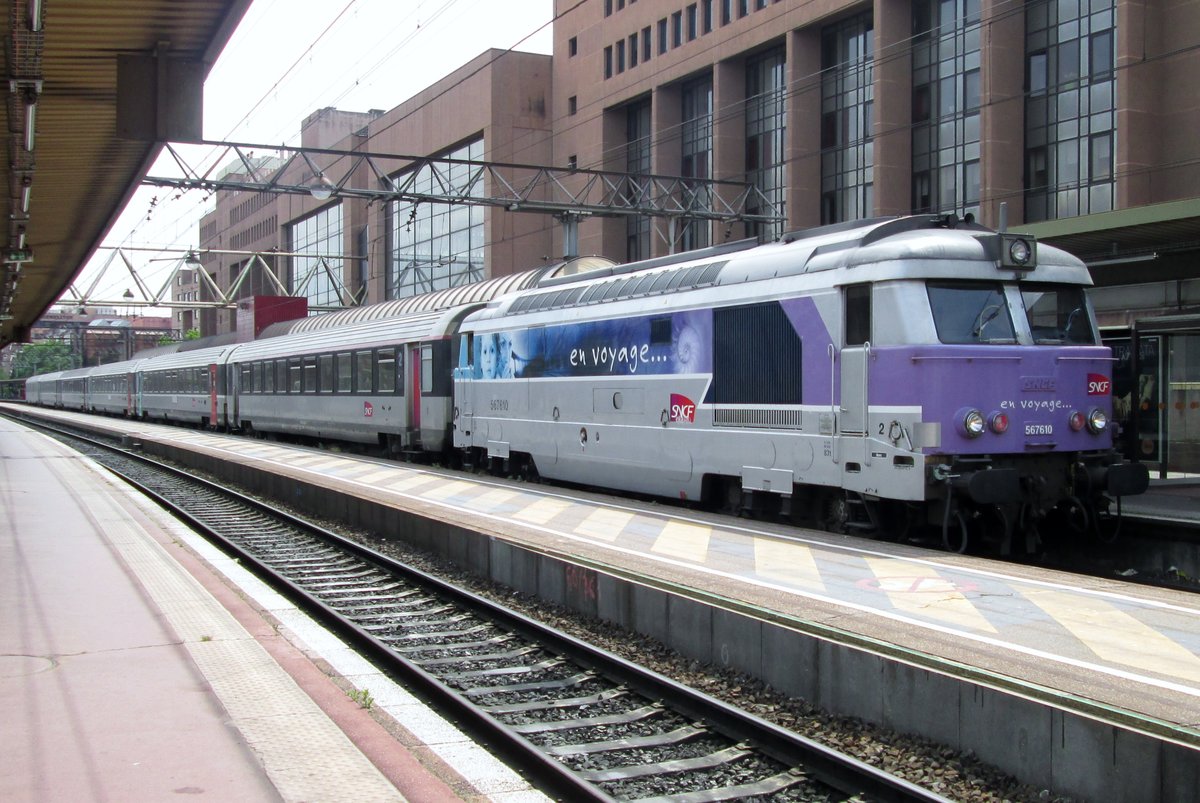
(217, 298)
(562, 191)
(570, 194)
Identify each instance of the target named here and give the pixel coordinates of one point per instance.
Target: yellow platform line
(542, 510)
(1115, 636)
(921, 591)
(409, 482)
(790, 563)
(492, 499)
(681, 540)
(444, 490)
(604, 524)
(374, 476)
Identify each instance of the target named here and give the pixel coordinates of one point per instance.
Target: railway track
(580, 723)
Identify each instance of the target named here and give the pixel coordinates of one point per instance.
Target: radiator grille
(760, 418)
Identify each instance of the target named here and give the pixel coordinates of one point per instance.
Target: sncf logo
(682, 408)
(1099, 385)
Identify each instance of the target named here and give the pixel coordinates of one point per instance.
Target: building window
(572, 105)
(946, 102)
(633, 50)
(662, 36)
(637, 162)
(437, 246)
(692, 22)
(573, 47)
(766, 129)
(847, 120)
(319, 238)
(706, 21)
(608, 62)
(696, 133)
(646, 43)
(621, 56)
(677, 29)
(1070, 109)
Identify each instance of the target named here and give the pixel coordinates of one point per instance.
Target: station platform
(1168, 498)
(133, 668)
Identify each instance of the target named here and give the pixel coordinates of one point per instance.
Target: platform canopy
(80, 139)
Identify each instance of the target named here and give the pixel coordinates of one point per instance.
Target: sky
(289, 58)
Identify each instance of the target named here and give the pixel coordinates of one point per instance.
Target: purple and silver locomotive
(895, 374)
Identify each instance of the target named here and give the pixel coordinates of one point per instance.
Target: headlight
(1076, 421)
(973, 423)
(1019, 252)
(1097, 421)
(999, 423)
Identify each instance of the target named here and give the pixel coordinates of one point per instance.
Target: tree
(42, 358)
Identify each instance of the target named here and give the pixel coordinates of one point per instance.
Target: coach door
(462, 391)
(415, 362)
(212, 395)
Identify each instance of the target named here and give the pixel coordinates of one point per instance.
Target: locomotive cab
(1002, 358)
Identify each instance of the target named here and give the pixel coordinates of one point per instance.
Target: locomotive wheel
(835, 512)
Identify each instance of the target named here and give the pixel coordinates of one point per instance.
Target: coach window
(310, 375)
(325, 373)
(385, 370)
(858, 314)
(281, 376)
(295, 375)
(345, 373)
(246, 377)
(426, 369)
(364, 372)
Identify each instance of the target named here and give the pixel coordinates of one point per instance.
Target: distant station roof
(65, 192)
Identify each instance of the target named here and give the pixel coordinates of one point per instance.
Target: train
(917, 376)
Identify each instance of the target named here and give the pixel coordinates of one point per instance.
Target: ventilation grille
(635, 286)
(758, 419)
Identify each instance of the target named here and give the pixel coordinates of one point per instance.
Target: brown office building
(1077, 118)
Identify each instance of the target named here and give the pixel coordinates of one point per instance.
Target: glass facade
(1070, 117)
(847, 119)
(319, 238)
(637, 161)
(696, 131)
(945, 106)
(766, 130)
(436, 246)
